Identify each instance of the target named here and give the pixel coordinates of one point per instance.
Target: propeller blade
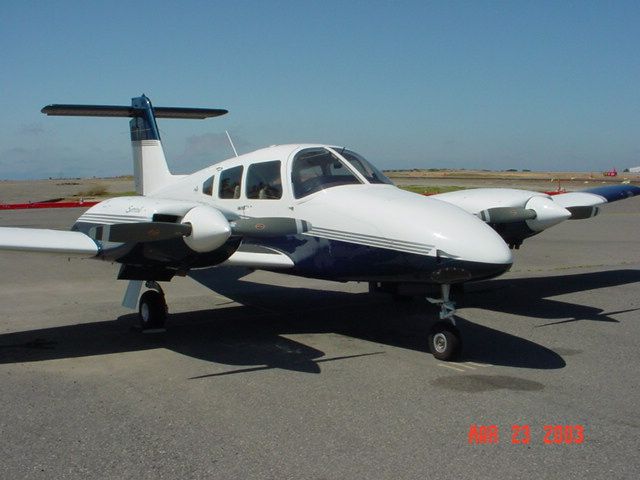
(268, 227)
(507, 215)
(140, 232)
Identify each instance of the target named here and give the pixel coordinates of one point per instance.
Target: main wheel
(444, 341)
(152, 310)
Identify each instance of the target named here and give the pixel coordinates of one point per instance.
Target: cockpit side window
(317, 169)
(367, 170)
(207, 186)
(230, 181)
(264, 181)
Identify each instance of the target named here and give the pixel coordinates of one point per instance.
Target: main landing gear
(152, 309)
(444, 338)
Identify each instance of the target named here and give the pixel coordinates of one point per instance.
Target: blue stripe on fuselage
(337, 260)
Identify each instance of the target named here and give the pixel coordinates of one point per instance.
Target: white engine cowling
(485, 202)
(548, 213)
(209, 229)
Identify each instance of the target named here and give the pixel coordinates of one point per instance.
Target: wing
(48, 241)
(519, 214)
(155, 239)
(596, 196)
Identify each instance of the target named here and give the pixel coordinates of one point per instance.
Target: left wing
(75, 244)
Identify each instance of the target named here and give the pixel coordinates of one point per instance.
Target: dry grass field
(420, 181)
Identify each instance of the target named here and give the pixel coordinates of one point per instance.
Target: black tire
(152, 310)
(444, 341)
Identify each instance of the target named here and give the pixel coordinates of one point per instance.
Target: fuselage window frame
(207, 186)
(230, 187)
(264, 180)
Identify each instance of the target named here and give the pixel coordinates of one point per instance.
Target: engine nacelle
(548, 213)
(209, 229)
(514, 214)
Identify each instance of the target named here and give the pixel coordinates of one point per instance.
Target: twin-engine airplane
(311, 210)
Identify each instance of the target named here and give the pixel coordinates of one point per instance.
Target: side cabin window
(316, 169)
(230, 181)
(264, 181)
(207, 186)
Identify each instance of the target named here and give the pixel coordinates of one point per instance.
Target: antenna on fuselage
(231, 142)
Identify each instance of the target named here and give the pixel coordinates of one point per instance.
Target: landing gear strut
(444, 338)
(152, 309)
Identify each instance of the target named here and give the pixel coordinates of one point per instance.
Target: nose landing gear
(444, 338)
(152, 309)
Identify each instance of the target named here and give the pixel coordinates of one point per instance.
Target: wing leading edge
(75, 244)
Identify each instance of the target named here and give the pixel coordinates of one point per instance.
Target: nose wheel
(152, 309)
(444, 341)
(444, 338)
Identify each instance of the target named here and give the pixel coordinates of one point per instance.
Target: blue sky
(409, 84)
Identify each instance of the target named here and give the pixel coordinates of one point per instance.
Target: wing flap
(47, 241)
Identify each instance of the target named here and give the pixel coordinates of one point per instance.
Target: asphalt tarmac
(280, 377)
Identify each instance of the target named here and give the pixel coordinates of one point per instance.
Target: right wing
(75, 244)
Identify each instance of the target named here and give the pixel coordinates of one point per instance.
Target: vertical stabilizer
(150, 170)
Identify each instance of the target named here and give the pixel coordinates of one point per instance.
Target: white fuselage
(378, 217)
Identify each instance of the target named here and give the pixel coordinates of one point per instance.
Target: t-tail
(150, 170)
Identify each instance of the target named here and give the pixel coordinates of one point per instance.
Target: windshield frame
(320, 180)
(375, 177)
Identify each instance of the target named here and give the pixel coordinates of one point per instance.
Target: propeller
(539, 213)
(507, 214)
(140, 232)
(268, 227)
(215, 230)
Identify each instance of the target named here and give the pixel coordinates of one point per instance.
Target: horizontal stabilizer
(47, 241)
(127, 111)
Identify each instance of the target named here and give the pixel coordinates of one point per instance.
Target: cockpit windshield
(368, 171)
(316, 169)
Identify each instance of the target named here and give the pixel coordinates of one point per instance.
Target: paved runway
(318, 380)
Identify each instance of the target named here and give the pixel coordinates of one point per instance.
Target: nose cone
(468, 248)
(463, 236)
(461, 240)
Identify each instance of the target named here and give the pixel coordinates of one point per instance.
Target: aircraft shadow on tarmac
(530, 297)
(250, 337)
